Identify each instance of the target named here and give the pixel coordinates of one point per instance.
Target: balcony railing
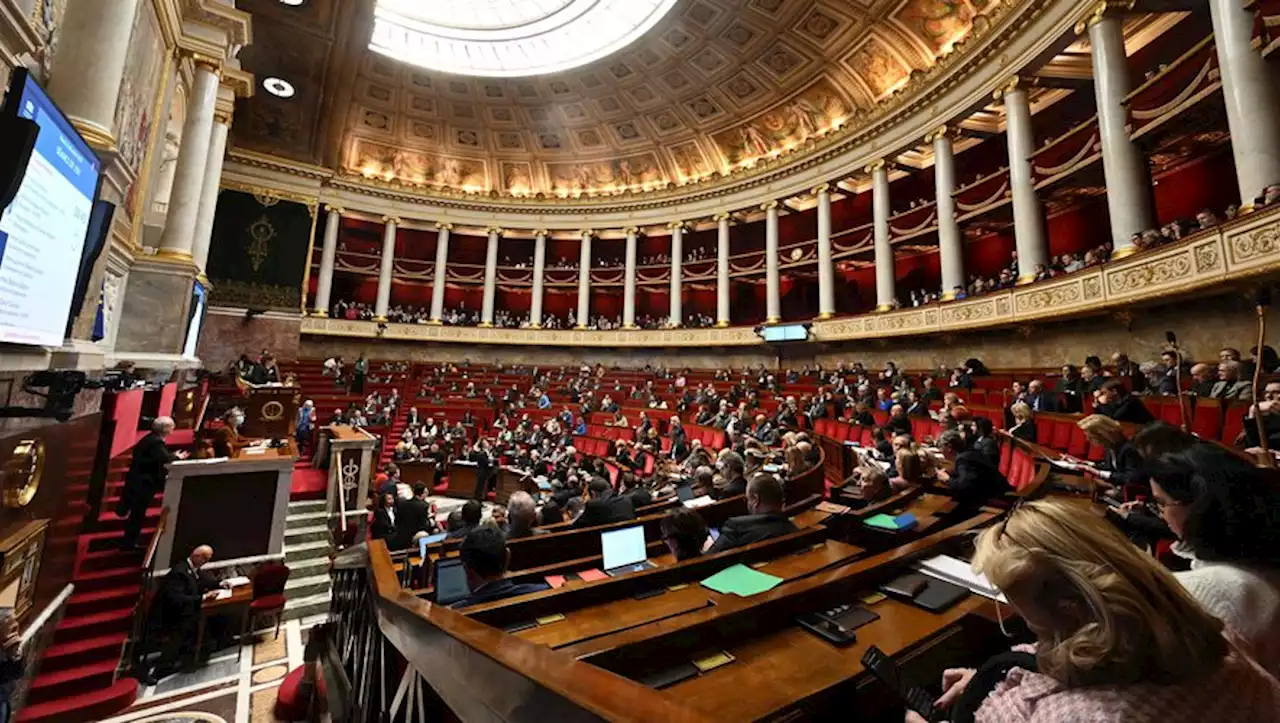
(1182, 84)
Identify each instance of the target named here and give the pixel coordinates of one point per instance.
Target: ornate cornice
(269, 192)
(972, 61)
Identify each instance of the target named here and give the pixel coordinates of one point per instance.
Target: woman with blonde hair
(1122, 465)
(1117, 637)
(1024, 422)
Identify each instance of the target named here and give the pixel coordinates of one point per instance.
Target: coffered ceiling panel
(715, 85)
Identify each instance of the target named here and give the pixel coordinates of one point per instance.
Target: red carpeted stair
(76, 680)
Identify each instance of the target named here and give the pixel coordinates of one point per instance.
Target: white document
(959, 572)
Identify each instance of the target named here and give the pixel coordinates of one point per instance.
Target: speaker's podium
(269, 411)
(237, 505)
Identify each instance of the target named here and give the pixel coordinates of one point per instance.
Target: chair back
(270, 580)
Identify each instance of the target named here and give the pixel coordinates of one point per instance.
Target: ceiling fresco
(715, 86)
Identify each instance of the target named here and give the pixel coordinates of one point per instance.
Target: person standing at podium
(146, 476)
(227, 440)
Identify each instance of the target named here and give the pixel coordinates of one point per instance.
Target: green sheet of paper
(741, 580)
(882, 521)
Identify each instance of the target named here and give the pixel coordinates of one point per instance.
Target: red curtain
(986, 255)
(1079, 229)
(1210, 183)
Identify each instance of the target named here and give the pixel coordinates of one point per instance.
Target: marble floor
(225, 690)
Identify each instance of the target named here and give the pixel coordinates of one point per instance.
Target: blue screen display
(42, 232)
(785, 332)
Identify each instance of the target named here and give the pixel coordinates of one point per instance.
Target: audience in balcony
(1230, 385)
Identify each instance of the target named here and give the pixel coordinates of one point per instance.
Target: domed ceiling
(713, 85)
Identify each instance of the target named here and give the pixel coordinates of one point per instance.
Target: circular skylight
(510, 38)
(278, 87)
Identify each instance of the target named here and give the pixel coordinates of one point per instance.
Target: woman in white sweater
(1226, 514)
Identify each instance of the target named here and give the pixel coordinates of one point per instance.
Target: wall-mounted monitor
(784, 332)
(43, 230)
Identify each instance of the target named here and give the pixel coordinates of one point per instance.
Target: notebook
(451, 582)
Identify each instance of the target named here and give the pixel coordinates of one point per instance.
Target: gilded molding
(673, 225)
(267, 192)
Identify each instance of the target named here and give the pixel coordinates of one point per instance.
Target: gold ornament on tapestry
(266, 200)
(22, 472)
(261, 232)
(272, 411)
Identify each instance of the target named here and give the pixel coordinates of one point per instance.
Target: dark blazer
(736, 486)
(147, 468)
(1072, 391)
(499, 590)
(744, 530)
(412, 516)
(1271, 425)
(606, 510)
(976, 479)
(639, 497)
(1025, 431)
(899, 425)
(989, 447)
(1126, 467)
(1129, 409)
(177, 601)
(383, 527)
(1042, 402)
(1168, 383)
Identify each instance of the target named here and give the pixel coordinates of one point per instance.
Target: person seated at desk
(898, 422)
(227, 441)
(1117, 637)
(1230, 385)
(984, 439)
(522, 515)
(867, 485)
(764, 518)
(909, 465)
(175, 610)
(1121, 460)
(633, 489)
(485, 557)
(733, 479)
(604, 506)
(684, 532)
(468, 518)
(974, 478)
(1116, 402)
(1024, 422)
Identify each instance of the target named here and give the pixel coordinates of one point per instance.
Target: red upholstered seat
(268, 603)
(290, 706)
(1006, 455)
(1060, 435)
(440, 488)
(268, 595)
(1233, 422)
(1079, 445)
(1207, 420)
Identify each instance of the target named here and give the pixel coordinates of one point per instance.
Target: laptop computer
(624, 551)
(685, 492)
(424, 542)
(451, 582)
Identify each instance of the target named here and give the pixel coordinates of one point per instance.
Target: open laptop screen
(623, 547)
(451, 582)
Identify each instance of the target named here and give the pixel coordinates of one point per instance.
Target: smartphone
(882, 666)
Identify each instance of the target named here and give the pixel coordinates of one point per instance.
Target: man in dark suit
(484, 463)
(384, 520)
(732, 469)
(1116, 402)
(413, 515)
(175, 610)
(1038, 399)
(485, 557)
(974, 478)
(146, 476)
(604, 507)
(764, 518)
(470, 516)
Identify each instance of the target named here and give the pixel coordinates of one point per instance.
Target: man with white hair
(146, 476)
(522, 515)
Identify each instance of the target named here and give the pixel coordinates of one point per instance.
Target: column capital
(1017, 82)
(542, 232)
(335, 209)
(495, 231)
(444, 226)
(721, 217)
(821, 188)
(1101, 10)
(587, 233)
(631, 230)
(204, 62)
(876, 165)
(939, 133)
(223, 116)
(676, 225)
(769, 206)
(391, 220)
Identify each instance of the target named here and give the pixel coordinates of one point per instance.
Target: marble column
(826, 269)
(886, 291)
(93, 43)
(1130, 205)
(584, 279)
(677, 273)
(539, 271)
(328, 255)
(440, 278)
(950, 241)
(209, 189)
(1249, 91)
(1028, 216)
(722, 270)
(178, 239)
(385, 270)
(490, 277)
(772, 279)
(629, 281)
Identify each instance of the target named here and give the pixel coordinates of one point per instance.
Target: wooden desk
(241, 596)
(415, 471)
(462, 480)
(512, 480)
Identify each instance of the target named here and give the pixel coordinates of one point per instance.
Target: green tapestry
(258, 252)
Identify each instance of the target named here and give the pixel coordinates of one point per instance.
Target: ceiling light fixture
(292, 3)
(278, 87)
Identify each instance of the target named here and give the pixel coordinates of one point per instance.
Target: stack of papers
(742, 581)
(222, 595)
(959, 572)
(236, 581)
(697, 502)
